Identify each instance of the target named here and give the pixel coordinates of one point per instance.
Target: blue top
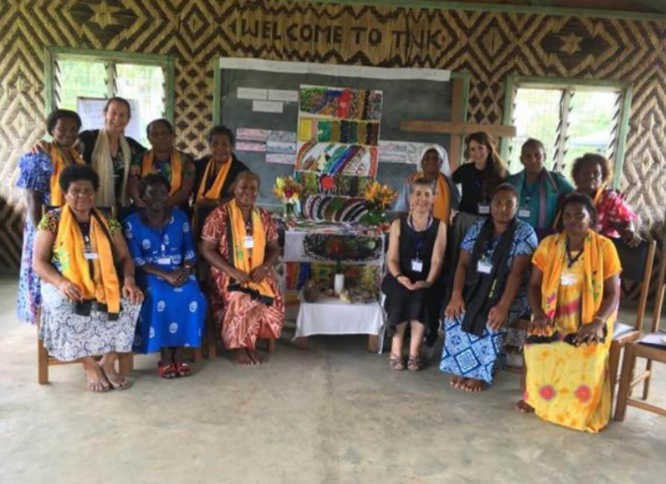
(167, 248)
(524, 240)
(35, 174)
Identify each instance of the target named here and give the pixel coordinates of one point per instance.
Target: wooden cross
(457, 128)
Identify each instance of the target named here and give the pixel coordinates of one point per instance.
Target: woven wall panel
(488, 45)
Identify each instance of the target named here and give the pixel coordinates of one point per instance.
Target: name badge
(164, 260)
(91, 255)
(524, 213)
(567, 279)
(484, 267)
(248, 242)
(417, 265)
(484, 209)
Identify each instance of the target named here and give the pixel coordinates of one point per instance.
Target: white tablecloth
(332, 316)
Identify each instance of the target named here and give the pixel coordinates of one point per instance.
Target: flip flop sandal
(397, 363)
(121, 383)
(104, 385)
(168, 372)
(183, 369)
(414, 363)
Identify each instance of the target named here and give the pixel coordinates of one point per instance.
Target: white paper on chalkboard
(283, 95)
(281, 158)
(251, 93)
(267, 107)
(91, 110)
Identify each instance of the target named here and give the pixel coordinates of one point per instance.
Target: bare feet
(523, 407)
(458, 382)
(474, 386)
(256, 357)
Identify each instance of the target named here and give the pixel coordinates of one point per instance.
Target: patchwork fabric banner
(331, 102)
(337, 158)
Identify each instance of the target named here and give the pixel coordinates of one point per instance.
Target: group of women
(529, 245)
(101, 287)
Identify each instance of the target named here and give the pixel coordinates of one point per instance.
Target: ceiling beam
(657, 5)
(541, 3)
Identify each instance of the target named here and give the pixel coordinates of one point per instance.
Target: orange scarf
(102, 285)
(176, 168)
(59, 161)
(215, 191)
(241, 255)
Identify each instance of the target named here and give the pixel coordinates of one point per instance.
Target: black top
(237, 166)
(477, 187)
(416, 245)
(89, 138)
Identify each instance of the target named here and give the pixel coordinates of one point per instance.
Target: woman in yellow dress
(574, 292)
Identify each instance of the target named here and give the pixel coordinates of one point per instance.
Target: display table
(332, 316)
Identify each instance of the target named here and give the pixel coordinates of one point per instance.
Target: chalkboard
(420, 98)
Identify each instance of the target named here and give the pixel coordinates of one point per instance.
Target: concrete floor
(331, 414)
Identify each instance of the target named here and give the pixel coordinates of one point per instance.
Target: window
(74, 77)
(570, 117)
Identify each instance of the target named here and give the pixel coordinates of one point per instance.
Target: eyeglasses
(81, 193)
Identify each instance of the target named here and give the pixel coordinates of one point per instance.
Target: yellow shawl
(176, 168)
(241, 256)
(102, 285)
(442, 205)
(215, 191)
(595, 273)
(59, 161)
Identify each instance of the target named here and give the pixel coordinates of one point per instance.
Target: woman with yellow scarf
(574, 292)
(240, 242)
(39, 172)
(88, 307)
(164, 159)
(433, 166)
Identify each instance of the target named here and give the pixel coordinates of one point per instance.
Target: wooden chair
(44, 361)
(637, 266)
(635, 350)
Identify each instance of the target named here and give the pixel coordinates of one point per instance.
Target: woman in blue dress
(39, 173)
(162, 246)
(489, 292)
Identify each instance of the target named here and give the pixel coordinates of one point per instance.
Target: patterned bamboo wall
(489, 45)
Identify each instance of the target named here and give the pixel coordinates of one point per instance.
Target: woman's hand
(131, 291)
(422, 285)
(258, 274)
(591, 333)
(498, 316)
(40, 146)
(456, 307)
(631, 238)
(177, 277)
(240, 276)
(405, 281)
(540, 325)
(70, 290)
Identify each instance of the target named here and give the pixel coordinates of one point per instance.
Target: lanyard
(572, 260)
(528, 192)
(419, 237)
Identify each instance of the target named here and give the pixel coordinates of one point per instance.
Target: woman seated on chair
(433, 166)
(615, 218)
(161, 243)
(163, 158)
(489, 292)
(574, 292)
(217, 172)
(240, 242)
(39, 177)
(413, 284)
(88, 307)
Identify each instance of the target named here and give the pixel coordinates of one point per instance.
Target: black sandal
(397, 362)
(414, 363)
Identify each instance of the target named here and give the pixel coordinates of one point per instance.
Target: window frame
(166, 62)
(514, 81)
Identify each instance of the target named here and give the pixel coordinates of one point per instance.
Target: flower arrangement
(289, 191)
(380, 197)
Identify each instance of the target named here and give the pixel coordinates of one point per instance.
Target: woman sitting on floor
(413, 284)
(489, 292)
(88, 308)
(163, 158)
(40, 172)
(240, 242)
(434, 167)
(161, 243)
(574, 292)
(615, 218)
